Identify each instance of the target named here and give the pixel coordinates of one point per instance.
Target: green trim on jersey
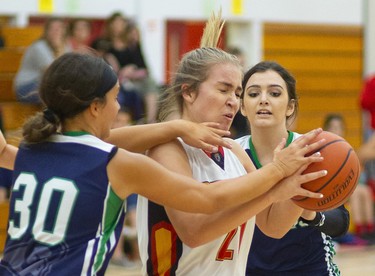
(76, 133)
(111, 215)
(254, 154)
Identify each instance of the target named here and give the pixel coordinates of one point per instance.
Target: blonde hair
(195, 66)
(212, 31)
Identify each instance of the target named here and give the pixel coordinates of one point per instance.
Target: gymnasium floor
(353, 261)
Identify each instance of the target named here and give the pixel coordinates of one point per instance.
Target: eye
(253, 94)
(275, 93)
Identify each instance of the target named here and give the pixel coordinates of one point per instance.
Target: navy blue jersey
(6, 178)
(64, 217)
(304, 250)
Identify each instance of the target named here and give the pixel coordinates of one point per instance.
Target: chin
(225, 126)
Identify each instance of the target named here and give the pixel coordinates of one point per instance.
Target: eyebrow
(258, 86)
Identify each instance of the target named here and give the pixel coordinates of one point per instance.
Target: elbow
(339, 231)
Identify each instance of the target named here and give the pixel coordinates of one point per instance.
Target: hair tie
(50, 116)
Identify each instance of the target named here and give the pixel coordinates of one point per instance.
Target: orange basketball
(342, 164)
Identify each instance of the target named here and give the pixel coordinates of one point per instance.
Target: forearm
(251, 185)
(278, 219)
(198, 229)
(8, 156)
(140, 138)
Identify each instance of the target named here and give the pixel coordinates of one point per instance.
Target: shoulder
(173, 156)
(166, 150)
(39, 47)
(40, 43)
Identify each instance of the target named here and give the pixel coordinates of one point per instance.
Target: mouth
(229, 116)
(264, 112)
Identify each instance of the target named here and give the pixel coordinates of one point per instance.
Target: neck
(266, 140)
(76, 125)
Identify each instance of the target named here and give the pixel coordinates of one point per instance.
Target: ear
(290, 109)
(188, 94)
(95, 108)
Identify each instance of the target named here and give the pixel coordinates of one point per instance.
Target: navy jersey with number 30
(64, 217)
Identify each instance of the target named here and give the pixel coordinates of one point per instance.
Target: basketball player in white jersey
(207, 86)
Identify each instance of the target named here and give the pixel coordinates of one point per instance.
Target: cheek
(116, 109)
(248, 105)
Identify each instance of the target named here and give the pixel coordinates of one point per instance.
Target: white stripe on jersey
(87, 259)
(86, 139)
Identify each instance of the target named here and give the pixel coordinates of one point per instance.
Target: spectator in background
(38, 56)
(133, 73)
(366, 153)
(367, 99)
(79, 35)
(367, 103)
(360, 202)
(335, 123)
(131, 103)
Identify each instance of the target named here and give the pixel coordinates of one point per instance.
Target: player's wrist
(280, 168)
(317, 221)
(177, 127)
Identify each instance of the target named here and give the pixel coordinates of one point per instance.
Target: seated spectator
(135, 73)
(38, 56)
(129, 100)
(79, 35)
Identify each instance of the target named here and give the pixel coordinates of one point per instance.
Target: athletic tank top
(64, 217)
(163, 253)
(304, 250)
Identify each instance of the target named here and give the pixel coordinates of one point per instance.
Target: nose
(264, 99)
(233, 100)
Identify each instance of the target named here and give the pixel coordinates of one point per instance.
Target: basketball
(342, 165)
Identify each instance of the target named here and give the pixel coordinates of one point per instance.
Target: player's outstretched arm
(135, 173)
(140, 138)
(7, 153)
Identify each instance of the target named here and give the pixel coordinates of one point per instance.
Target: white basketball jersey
(163, 253)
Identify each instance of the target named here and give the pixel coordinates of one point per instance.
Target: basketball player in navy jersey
(67, 200)
(270, 102)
